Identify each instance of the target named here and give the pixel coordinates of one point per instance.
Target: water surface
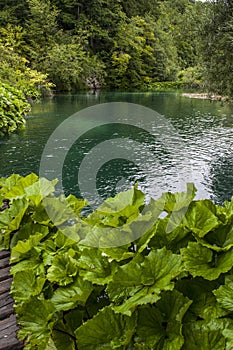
(199, 149)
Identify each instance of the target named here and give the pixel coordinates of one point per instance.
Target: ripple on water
(198, 150)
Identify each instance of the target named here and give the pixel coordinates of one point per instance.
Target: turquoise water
(193, 145)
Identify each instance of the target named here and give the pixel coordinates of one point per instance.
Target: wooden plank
(4, 262)
(7, 311)
(4, 254)
(8, 323)
(6, 306)
(5, 285)
(5, 299)
(8, 329)
(10, 344)
(5, 273)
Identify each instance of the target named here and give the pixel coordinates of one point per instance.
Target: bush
(191, 78)
(166, 85)
(13, 108)
(16, 70)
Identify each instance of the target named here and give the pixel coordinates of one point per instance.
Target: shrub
(13, 108)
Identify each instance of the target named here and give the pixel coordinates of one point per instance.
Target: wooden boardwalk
(8, 325)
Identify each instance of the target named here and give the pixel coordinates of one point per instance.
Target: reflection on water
(203, 128)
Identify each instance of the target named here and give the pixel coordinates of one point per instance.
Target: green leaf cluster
(16, 70)
(13, 108)
(170, 286)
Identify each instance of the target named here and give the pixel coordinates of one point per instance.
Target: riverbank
(206, 96)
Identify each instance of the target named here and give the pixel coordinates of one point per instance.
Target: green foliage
(142, 54)
(217, 48)
(13, 12)
(184, 20)
(191, 77)
(15, 69)
(166, 85)
(68, 66)
(170, 288)
(140, 7)
(61, 55)
(13, 108)
(119, 44)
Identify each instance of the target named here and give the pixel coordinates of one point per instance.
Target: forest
(70, 45)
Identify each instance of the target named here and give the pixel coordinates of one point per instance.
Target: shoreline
(206, 96)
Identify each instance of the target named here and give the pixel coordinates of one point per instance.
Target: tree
(15, 68)
(68, 66)
(41, 28)
(134, 8)
(13, 12)
(217, 48)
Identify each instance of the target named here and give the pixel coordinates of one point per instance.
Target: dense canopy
(123, 44)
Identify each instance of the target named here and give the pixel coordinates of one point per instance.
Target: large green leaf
(200, 291)
(118, 253)
(106, 331)
(228, 334)
(23, 247)
(66, 298)
(34, 262)
(140, 296)
(96, 267)
(14, 186)
(118, 211)
(172, 240)
(201, 261)
(173, 305)
(7, 183)
(63, 270)
(224, 294)
(40, 215)
(144, 226)
(28, 229)
(76, 204)
(26, 284)
(205, 335)
(39, 190)
(36, 320)
(66, 238)
(160, 267)
(142, 280)
(160, 326)
(220, 239)
(63, 331)
(201, 217)
(11, 218)
(177, 201)
(107, 237)
(62, 339)
(58, 210)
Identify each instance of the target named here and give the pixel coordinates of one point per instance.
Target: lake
(189, 140)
